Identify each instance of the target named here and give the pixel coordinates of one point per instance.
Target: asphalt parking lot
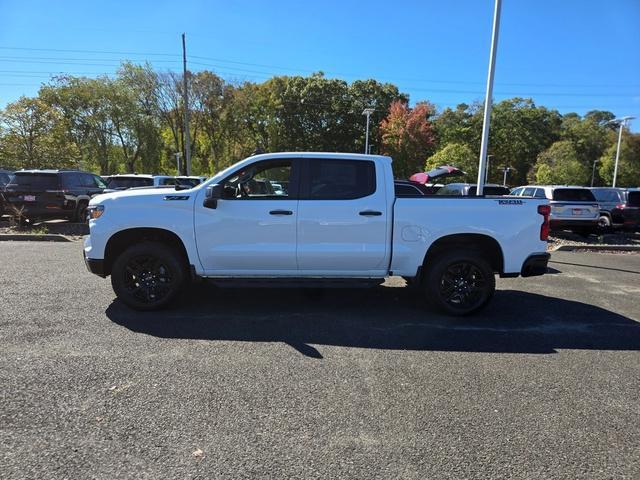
(337, 384)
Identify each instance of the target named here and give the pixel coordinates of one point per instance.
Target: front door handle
(370, 213)
(280, 212)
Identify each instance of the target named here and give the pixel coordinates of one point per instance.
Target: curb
(608, 248)
(31, 237)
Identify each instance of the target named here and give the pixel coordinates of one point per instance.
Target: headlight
(95, 211)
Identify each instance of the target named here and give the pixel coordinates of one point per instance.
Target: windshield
(573, 195)
(35, 181)
(129, 182)
(4, 178)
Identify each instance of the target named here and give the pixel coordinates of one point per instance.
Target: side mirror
(212, 195)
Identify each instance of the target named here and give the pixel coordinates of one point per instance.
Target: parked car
(572, 208)
(137, 180)
(628, 212)
(32, 194)
(408, 188)
(615, 207)
(470, 189)
(340, 222)
(129, 180)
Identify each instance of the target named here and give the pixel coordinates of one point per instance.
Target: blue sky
(566, 54)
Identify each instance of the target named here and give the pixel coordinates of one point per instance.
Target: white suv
(572, 208)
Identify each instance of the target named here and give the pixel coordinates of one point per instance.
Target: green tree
(32, 135)
(559, 164)
(628, 163)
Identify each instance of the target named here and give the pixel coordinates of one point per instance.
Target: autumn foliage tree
(407, 136)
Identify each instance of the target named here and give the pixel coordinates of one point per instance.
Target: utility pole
(593, 171)
(367, 112)
(622, 122)
(488, 98)
(187, 137)
(178, 154)
(488, 169)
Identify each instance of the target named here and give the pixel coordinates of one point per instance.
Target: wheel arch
(123, 239)
(487, 246)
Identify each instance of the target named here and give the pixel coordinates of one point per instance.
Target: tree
(458, 155)
(31, 135)
(628, 163)
(407, 136)
(559, 164)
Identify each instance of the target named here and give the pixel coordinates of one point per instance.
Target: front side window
(340, 179)
(517, 191)
(257, 181)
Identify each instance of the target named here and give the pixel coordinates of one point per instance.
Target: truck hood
(134, 194)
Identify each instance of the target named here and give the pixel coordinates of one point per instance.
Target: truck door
(253, 229)
(342, 218)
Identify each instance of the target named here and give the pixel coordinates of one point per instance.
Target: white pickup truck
(331, 219)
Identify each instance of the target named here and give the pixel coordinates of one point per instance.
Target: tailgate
(574, 210)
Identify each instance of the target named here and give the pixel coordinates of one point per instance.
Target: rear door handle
(370, 213)
(280, 212)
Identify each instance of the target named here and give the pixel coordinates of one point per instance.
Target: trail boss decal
(176, 197)
(510, 202)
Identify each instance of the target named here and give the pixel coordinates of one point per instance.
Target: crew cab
(339, 222)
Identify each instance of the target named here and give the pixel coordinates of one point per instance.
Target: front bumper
(94, 265)
(535, 264)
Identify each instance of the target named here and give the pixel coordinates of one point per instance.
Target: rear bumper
(558, 224)
(535, 265)
(38, 209)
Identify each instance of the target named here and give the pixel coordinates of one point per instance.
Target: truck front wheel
(459, 282)
(148, 275)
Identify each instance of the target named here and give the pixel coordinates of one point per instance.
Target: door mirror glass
(212, 195)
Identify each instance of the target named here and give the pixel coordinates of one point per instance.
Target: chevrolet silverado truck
(333, 220)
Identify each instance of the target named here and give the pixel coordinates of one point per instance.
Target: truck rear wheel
(148, 275)
(459, 282)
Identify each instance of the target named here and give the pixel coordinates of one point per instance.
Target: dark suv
(618, 207)
(51, 194)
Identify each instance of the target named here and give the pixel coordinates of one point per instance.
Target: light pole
(622, 122)
(593, 171)
(178, 155)
(367, 112)
(488, 98)
(504, 177)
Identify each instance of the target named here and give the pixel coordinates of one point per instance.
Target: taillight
(620, 206)
(544, 210)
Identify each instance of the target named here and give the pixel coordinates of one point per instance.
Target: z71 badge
(510, 202)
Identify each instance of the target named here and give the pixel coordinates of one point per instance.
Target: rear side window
(40, 181)
(517, 191)
(4, 178)
(528, 192)
(573, 195)
(129, 182)
(539, 193)
(634, 199)
(340, 179)
(606, 196)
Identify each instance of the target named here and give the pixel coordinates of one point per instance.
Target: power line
(306, 70)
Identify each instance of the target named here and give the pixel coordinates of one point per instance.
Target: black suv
(51, 194)
(618, 207)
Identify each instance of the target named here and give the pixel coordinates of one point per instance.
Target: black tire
(148, 275)
(81, 213)
(459, 283)
(604, 223)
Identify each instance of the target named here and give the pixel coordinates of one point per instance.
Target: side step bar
(296, 282)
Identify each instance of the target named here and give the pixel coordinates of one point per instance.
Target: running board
(296, 282)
